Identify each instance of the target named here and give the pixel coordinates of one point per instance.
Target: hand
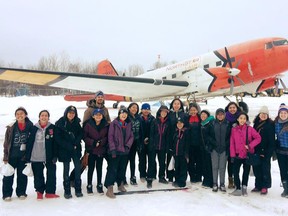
(146, 140)
(247, 147)
(98, 143)
(187, 159)
(127, 149)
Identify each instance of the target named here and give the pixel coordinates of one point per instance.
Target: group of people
(186, 143)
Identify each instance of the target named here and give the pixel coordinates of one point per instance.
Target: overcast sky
(131, 32)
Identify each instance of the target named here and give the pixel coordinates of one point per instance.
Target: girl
(120, 139)
(95, 138)
(243, 138)
(69, 135)
(42, 151)
(281, 130)
(265, 127)
(14, 150)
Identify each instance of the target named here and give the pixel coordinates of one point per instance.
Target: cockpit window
(280, 42)
(268, 45)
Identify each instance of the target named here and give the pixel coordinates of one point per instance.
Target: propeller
(233, 72)
(278, 80)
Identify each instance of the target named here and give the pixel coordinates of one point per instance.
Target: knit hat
(206, 111)
(122, 110)
(145, 106)
(282, 107)
(219, 110)
(264, 109)
(99, 93)
(22, 109)
(96, 111)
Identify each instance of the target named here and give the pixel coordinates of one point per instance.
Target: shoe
(78, 194)
(236, 192)
(39, 196)
(231, 183)
(133, 181)
(163, 181)
(244, 190)
(175, 184)
(142, 179)
(67, 195)
(264, 191)
(223, 188)
(22, 197)
(149, 184)
(100, 189)
(7, 199)
(89, 190)
(50, 196)
(110, 192)
(121, 188)
(215, 188)
(255, 190)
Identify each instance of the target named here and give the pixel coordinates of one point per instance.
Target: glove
(146, 140)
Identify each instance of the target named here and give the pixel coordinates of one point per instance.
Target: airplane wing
(135, 87)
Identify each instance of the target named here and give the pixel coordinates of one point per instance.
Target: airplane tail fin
(106, 68)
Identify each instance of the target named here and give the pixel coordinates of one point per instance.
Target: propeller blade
(276, 85)
(283, 84)
(240, 80)
(237, 64)
(228, 57)
(231, 86)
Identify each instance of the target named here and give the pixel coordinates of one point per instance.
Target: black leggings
(91, 166)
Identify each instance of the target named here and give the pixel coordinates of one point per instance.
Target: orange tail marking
(106, 68)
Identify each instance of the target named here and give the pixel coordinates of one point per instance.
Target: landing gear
(115, 105)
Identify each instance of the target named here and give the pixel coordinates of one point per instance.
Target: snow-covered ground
(195, 201)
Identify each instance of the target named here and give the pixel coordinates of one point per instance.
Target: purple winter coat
(92, 135)
(116, 144)
(238, 141)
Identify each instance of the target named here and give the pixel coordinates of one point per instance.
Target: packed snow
(194, 201)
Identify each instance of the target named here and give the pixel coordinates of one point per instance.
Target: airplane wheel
(254, 95)
(244, 106)
(115, 105)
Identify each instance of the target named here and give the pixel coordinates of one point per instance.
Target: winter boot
(121, 188)
(78, 190)
(244, 190)
(133, 180)
(215, 188)
(236, 192)
(89, 190)
(231, 183)
(163, 180)
(149, 183)
(285, 192)
(100, 189)
(67, 189)
(110, 192)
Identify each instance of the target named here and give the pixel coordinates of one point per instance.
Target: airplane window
(218, 63)
(173, 76)
(206, 66)
(280, 42)
(268, 45)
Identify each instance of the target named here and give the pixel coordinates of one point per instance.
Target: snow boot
(244, 190)
(236, 192)
(231, 183)
(110, 192)
(78, 190)
(121, 188)
(100, 189)
(67, 189)
(285, 192)
(89, 190)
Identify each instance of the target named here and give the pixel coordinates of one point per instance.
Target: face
(232, 109)
(71, 115)
(123, 116)
(263, 116)
(283, 115)
(242, 119)
(99, 99)
(145, 112)
(203, 116)
(180, 125)
(44, 118)
(133, 109)
(163, 113)
(220, 116)
(98, 117)
(20, 116)
(176, 105)
(193, 111)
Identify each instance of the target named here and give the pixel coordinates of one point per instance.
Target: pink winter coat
(238, 141)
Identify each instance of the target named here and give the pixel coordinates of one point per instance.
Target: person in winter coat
(96, 139)
(176, 110)
(42, 152)
(180, 150)
(133, 110)
(220, 151)
(159, 143)
(69, 136)
(120, 140)
(281, 130)
(97, 102)
(143, 151)
(243, 138)
(207, 144)
(232, 111)
(14, 150)
(265, 127)
(195, 152)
